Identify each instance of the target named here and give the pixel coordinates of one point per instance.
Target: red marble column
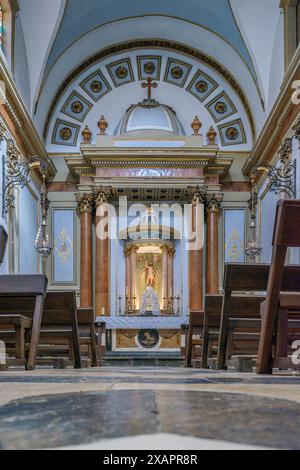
(195, 268)
(85, 209)
(212, 257)
(102, 254)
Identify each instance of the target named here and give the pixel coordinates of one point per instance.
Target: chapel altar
(138, 281)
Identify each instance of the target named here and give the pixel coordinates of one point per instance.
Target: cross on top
(149, 84)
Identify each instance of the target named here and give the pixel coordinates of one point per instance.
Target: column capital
(85, 202)
(213, 202)
(102, 194)
(196, 194)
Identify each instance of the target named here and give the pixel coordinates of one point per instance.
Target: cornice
(24, 126)
(281, 118)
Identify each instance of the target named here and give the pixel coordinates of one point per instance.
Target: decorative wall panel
(221, 107)
(76, 107)
(65, 133)
(177, 72)
(202, 86)
(63, 235)
(96, 85)
(149, 66)
(232, 133)
(234, 235)
(121, 72)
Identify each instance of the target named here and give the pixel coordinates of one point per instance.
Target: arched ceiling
(62, 36)
(82, 17)
(113, 82)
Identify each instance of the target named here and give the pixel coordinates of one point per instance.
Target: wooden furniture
(274, 323)
(100, 328)
(241, 313)
(211, 326)
(194, 337)
(60, 322)
(87, 332)
(23, 295)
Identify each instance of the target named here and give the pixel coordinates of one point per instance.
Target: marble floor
(148, 408)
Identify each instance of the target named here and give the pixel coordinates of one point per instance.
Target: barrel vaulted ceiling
(61, 35)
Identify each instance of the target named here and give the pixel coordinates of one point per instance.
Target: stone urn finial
(212, 135)
(196, 125)
(103, 125)
(86, 135)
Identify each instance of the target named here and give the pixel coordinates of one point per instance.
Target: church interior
(149, 224)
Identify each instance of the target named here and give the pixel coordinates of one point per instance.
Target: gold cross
(148, 84)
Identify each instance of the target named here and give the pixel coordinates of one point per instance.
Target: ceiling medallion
(121, 72)
(220, 107)
(201, 86)
(77, 107)
(177, 72)
(149, 68)
(65, 133)
(232, 133)
(96, 86)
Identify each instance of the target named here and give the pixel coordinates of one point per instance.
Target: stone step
(143, 359)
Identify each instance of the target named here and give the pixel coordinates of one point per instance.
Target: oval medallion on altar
(148, 338)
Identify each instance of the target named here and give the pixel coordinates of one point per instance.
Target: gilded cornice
(280, 122)
(24, 127)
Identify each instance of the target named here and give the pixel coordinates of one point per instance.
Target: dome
(151, 117)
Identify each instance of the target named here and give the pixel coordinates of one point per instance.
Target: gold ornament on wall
(86, 135)
(103, 125)
(196, 125)
(212, 135)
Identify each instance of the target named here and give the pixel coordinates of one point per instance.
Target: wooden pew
(60, 321)
(241, 312)
(274, 322)
(211, 325)
(100, 327)
(195, 329)
(87, 332)
(22, 298)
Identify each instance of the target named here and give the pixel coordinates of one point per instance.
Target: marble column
(102, 253)
(195, 265)
(212, 243)
(164, 289)
(133, 267)
(170, 272)
(127, 274)
(85, 209)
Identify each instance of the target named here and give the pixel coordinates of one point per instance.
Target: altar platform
(141, 323)
(144, 334)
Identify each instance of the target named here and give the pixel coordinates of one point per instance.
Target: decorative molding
(154, 43)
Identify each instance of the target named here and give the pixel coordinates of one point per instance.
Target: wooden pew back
(286, 234)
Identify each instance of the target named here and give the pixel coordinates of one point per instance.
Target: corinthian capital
(85, 202)
(214, 201)
(102, 194)
(196, 194)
